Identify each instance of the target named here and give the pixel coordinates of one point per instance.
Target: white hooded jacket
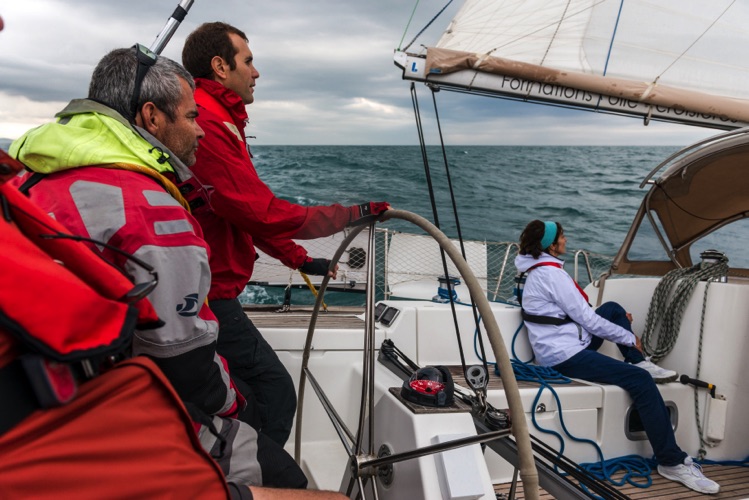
(550, 291)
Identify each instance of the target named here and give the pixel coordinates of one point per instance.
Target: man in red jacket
(244, 213)
(110, 173)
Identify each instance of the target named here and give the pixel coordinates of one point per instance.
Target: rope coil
(664, 316)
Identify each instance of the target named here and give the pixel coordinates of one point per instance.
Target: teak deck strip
(336, 318)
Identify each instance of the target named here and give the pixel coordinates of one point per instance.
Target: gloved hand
(366, 212)
(316, 267)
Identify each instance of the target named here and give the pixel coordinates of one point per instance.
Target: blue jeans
(593, 366)
(617, 315)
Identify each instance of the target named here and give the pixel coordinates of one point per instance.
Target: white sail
(679, 60)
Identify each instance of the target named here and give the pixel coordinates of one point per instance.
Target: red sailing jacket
(61, 301)
(132, 212)
(41, 299)
(244, 211)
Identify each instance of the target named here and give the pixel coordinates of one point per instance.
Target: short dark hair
(113, 81)
(206, 42)
(530, 239)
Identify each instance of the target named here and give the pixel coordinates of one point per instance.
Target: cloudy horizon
(326, 74)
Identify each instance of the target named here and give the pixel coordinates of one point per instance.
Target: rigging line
(424, 157)
(457, 225)
(553, 37)
(613, 36)
(432, 198)
(408, 24)
(313, 289)
(425, 27)
(542, 28)
(704, 443)
(696, 40)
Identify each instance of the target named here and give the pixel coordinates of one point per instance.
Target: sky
(326, 73)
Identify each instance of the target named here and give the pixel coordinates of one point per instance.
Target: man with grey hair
(113, 170)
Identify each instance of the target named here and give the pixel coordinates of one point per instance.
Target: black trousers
(257, 372)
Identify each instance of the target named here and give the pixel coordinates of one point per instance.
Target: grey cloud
(320, 55)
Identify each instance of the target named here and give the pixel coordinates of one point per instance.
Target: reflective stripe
(234, 130)
(160, 199)
(239, 460)
(172, 227)
(188, 273)
(109, 216)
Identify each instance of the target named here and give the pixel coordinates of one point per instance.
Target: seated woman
(565, 334)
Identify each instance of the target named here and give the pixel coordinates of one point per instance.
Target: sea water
(592, 191)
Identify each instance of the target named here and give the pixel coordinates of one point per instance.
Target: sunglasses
(146, 59)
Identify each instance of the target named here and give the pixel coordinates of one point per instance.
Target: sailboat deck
(734, 484)
(336, 318)
(734, 480)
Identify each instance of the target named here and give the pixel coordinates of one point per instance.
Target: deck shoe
(660, 375)
(690, 475)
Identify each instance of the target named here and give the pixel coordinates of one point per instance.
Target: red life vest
(56, 296)
(533, 318)
(558, 265)
(59, 304)
(124, 431)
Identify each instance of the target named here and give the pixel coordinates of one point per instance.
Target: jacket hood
(525, 262)
(88, 133)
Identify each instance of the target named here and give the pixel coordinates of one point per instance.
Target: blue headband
(550, 234)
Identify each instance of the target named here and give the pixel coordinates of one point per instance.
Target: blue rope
(732, 463)
(637, 469)
(446, 294)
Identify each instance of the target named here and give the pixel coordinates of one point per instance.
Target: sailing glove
(315, 267)
(367, 212)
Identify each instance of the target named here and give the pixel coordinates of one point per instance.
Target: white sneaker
(690, 475)
(660, 375)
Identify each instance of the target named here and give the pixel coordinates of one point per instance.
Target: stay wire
(425, 27)
(432, 198)
(613, 37)
(408, 24)
(457, 226)
(696, 40)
